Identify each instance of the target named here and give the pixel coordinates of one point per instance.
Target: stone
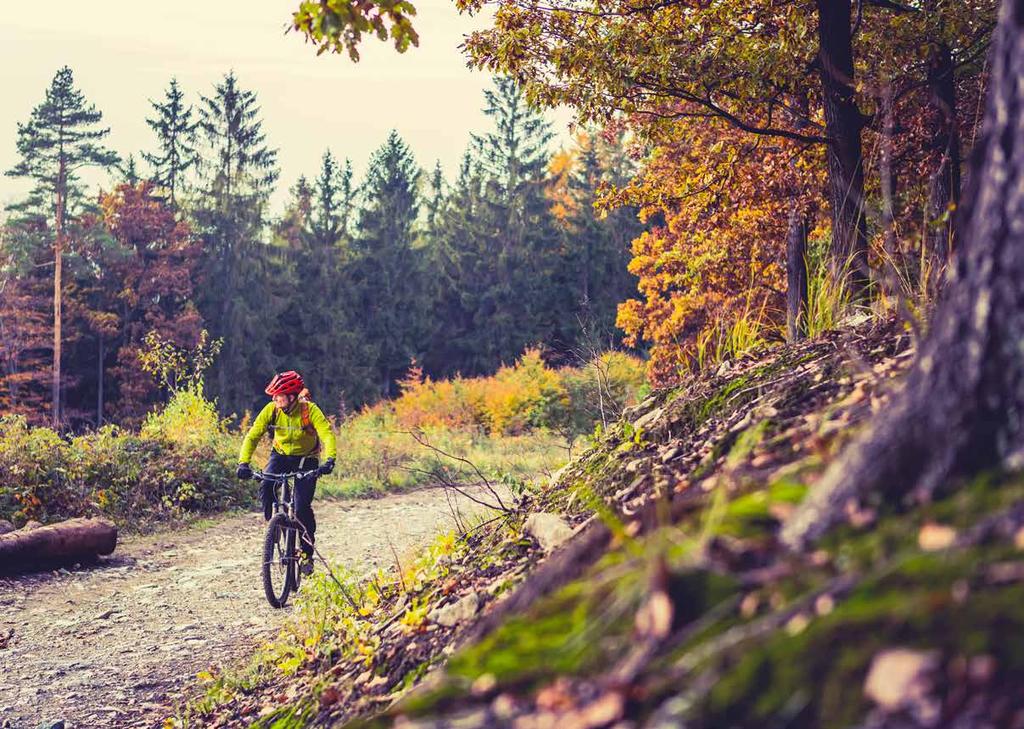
(460, 612)
(30, 525)
(647, 419)
(901, 678)
(550, 530)
(6, 527)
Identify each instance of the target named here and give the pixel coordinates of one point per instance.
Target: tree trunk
(843, 124)
(960, 410)
(796, 275)
(58, 270)
(945, 193)
(886, 170)
(75, 540)
(99, 385)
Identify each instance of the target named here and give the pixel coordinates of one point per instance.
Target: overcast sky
(124, 52)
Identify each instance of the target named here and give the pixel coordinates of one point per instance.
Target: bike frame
(284, 493)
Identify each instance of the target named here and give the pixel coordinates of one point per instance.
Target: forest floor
(116, 644)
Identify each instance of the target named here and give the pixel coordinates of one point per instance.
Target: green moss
(818, 674)
(747, 441)
(751, 515)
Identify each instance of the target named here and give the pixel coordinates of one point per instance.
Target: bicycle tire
(277, 584)
(294, 573)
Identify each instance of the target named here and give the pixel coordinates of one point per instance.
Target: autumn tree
(25, 327)
(150, 287)
(61, 137)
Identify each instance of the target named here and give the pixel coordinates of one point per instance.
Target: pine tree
(519, 305)
(334, 198)
(239, 301)
(61, 137)
(176, 138)
(459, 275)
(597, 249)
(129, 170)
(387, 275)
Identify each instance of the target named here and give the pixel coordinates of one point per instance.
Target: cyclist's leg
(276, 464)
(304, 500)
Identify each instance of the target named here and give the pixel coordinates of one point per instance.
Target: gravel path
(115, 645)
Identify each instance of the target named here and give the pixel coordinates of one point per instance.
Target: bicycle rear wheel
(278, 560)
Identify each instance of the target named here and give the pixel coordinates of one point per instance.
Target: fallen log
(74, 540)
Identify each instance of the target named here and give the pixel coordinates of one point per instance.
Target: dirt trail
(114, 645)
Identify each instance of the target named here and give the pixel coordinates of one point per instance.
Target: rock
(51, 724)
(6, 527)
(648, 419)
(451, 615)
(550, 530)
(900, 679)
(30, 525)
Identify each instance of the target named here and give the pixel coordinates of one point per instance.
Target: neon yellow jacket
(289, 437)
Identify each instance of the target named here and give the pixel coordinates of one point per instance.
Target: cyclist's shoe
(306, 565)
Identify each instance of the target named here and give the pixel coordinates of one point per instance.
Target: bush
(526, 396)
(180, 463)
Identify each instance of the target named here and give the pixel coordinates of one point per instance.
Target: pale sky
(124, 52)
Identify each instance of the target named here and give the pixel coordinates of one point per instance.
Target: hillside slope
(674, 604)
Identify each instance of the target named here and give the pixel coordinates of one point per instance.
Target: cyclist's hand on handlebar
(244, 471)
(327, 467)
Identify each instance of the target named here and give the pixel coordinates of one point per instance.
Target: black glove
(244, 472)
(327, 467)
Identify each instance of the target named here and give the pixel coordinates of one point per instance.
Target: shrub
(180, 463)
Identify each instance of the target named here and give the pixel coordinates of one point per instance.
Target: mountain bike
(281, 553)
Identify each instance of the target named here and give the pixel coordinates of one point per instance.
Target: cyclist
(299, 431)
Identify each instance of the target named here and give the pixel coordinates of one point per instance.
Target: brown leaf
(654, 618)
(329, 696)
(555, 697)
(934, 537)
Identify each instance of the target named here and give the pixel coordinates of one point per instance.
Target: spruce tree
(176, 138)
(334, 198)
(597, 249)
(239, 301)
(387, 276)
(61, 137)
(519, 306)
(459, 275)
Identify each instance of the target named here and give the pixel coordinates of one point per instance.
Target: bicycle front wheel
(278, 560)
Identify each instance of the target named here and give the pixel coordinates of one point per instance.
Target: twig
(430, 446)
(398, 566)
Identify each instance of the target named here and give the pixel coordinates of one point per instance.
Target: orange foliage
(718, 202)
(526, 395)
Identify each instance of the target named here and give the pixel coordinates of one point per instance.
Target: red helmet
(286, 383)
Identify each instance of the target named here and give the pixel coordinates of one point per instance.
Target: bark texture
(961, 409)
(74, 540)
(945, 192)
(843, 125)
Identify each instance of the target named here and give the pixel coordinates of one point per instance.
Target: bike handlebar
(258, 475)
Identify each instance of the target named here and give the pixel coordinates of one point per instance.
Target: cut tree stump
(75, 540)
